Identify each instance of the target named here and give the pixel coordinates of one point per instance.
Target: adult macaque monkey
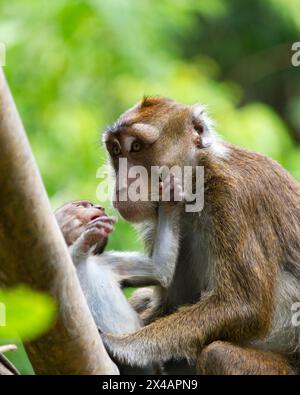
(226, 276)
(237, 271)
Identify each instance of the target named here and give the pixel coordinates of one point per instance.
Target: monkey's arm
(107, 302)
(109, 307)
(130, 268)
(237, 309)
(135, 269)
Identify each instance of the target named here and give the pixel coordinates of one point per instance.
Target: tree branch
(33, 252)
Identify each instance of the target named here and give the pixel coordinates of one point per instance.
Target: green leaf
(25, 313)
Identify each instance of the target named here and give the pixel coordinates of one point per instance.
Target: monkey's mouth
(101, 213)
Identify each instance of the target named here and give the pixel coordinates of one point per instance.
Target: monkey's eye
(116, 150)
(136, 146)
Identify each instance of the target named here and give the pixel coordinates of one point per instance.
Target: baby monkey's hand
(86, 224)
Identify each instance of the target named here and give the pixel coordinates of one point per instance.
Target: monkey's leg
(222, 358)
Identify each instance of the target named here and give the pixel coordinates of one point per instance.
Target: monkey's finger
(173, 183)
(169, 182)
(94, 235)
(111, 220)
(89, 239)
(95, 231)
(101, 226)
(104, 218)
(172, 187)
(177, 188)
(97, 223)
(177, 193)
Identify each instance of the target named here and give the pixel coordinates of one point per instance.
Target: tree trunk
(33, 252)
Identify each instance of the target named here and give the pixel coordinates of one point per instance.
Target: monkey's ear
(197, 124)
(201, 123)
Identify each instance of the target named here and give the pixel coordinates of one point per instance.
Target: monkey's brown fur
(238, 266)
(224, 358)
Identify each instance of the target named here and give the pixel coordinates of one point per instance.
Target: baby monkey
(86, 227)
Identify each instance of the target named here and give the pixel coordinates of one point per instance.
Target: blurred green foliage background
(74, 66)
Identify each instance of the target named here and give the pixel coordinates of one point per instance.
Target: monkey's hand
(93, 239)
(171, 193)
(87, 222)
(72, 218)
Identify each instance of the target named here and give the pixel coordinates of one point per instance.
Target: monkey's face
(154, 133)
